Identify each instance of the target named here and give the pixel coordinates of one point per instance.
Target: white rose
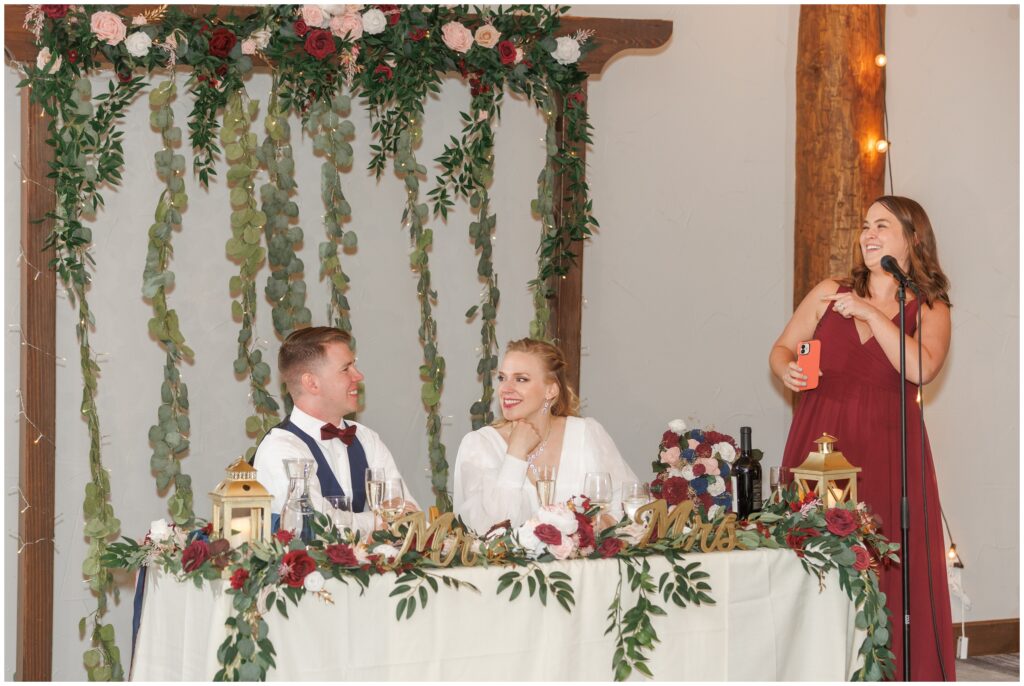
(261, 38)
(687, 472)
(159, 531)
(567, 52)
(716, 485)
(362, 556)
(389, 552)
(43, 57)
(677, 426)
(725, 451)
(527, 538)
(446, 546)
(714, 511)
(560, 518)
(138, 44)
(314, 582)
(374, 21)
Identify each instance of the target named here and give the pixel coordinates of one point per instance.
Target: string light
(881, 146)
(24, 500)
(25, 179)
(954, 557)
(881, 60)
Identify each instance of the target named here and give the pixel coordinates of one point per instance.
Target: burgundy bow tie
(329, 431)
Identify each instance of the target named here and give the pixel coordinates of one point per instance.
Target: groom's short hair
(304, 349)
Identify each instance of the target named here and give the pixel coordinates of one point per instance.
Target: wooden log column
(840, 94)
(37, 425)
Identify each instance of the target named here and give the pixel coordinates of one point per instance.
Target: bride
(497, 465)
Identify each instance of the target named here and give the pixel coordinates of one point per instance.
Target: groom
(319, 370)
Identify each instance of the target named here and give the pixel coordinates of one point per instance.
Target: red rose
(670, 439)
(699, 470)
(841, 522)
(222, 70)
(383, 73)
(795, 539)
(300, 28)
(238, 579)
(863, 560)
(576, 99)
(476, 87)
(320, 43)
(391, 12)
(125, 77)
(610, 547)
(284, 536)
(299, 564)
(703, 450)
(341, 554)
(713, 437)
(507, 53)
(222, 42)
(194, 556)
(417, 34)
(548, 534)
(585, 531)
(55, 11)
(72, 55)
(675, 490)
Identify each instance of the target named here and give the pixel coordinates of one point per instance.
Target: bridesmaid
(857, 400)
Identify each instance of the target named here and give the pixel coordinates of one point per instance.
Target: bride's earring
(547, 404)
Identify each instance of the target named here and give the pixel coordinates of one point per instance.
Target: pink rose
(457, 37)
(347, 25)
(710, 465)
(563, 550)
(109, 27)
(313, 16)
(670, 456)
(692, 444)
(248, 47)
(487, 36)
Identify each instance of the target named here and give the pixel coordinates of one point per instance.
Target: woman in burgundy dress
(857, 400)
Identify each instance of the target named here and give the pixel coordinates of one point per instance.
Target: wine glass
(635, 494)
(598, 487)
(392, 501)
(545, 484)
(374, 489)
(340, 512)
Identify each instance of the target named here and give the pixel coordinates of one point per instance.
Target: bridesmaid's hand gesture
(852, 305)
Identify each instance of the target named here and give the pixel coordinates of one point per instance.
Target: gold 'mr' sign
(421, 538)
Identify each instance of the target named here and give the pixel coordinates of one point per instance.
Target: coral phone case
(809, 360)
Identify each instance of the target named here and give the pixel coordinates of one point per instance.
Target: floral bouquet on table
(695, 465)
(559, 531)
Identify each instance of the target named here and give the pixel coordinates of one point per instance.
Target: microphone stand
(901, 295)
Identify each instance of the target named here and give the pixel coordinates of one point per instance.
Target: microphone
(890, 265)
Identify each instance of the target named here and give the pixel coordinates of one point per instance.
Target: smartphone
(809, 360)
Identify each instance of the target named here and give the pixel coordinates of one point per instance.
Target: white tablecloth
(769, 623)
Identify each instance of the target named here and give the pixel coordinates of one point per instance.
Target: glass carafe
(298, 507)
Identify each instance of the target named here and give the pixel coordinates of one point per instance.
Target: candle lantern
(241, 506)
(828, 473)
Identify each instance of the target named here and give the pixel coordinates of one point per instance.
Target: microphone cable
(924, 493)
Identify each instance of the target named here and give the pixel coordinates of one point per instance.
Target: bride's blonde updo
(567, 403)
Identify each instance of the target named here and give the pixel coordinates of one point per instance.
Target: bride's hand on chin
(523, 439)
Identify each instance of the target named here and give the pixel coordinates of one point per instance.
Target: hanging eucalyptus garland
(544, 207)
(286, 288)
(247, 224)
(169, 436)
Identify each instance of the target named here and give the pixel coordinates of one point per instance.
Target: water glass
(340, 511)
(598, 487)
(547, 474)
(635, 494)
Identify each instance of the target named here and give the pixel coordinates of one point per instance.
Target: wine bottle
(756, 473)
(743, 470)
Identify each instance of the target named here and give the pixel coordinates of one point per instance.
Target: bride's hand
(523, 439)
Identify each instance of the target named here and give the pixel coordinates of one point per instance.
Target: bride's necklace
(533, 455)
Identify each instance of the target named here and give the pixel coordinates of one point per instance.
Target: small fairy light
(881, 146)
(881, 60)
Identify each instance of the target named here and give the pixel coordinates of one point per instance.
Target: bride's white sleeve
(608, 459)
(489, 485)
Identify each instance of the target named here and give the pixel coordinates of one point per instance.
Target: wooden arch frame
(38, 318)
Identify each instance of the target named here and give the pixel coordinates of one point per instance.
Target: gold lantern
(241, 506)
(827, 473)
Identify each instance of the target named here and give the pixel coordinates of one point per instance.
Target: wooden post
(839, 117)
(38, 394)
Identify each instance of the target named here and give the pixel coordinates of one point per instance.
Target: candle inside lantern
(241, 529)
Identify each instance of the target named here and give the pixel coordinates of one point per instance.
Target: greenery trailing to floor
(544, 207)
(169, 436)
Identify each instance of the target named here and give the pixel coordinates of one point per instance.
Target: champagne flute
(341, 511)
(773, 480)
(635, 494)
(374, 489)
(545, 484)
(392, 501)
(598, 487)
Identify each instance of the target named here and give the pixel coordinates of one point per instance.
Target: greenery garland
(544, 207)
(247, 226)
(286, 289)
(169, 436)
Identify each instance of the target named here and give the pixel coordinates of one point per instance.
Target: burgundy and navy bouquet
(695, 465)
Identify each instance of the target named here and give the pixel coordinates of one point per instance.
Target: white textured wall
(687, 283)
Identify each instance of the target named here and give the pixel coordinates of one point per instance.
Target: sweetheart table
(770, 623)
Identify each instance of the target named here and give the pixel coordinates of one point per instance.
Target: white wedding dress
(491, 485)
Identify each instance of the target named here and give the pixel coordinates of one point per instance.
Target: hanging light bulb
(881, 146)
(881, 60)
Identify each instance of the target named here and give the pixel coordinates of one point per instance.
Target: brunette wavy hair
(924, 269)
(566, 403)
